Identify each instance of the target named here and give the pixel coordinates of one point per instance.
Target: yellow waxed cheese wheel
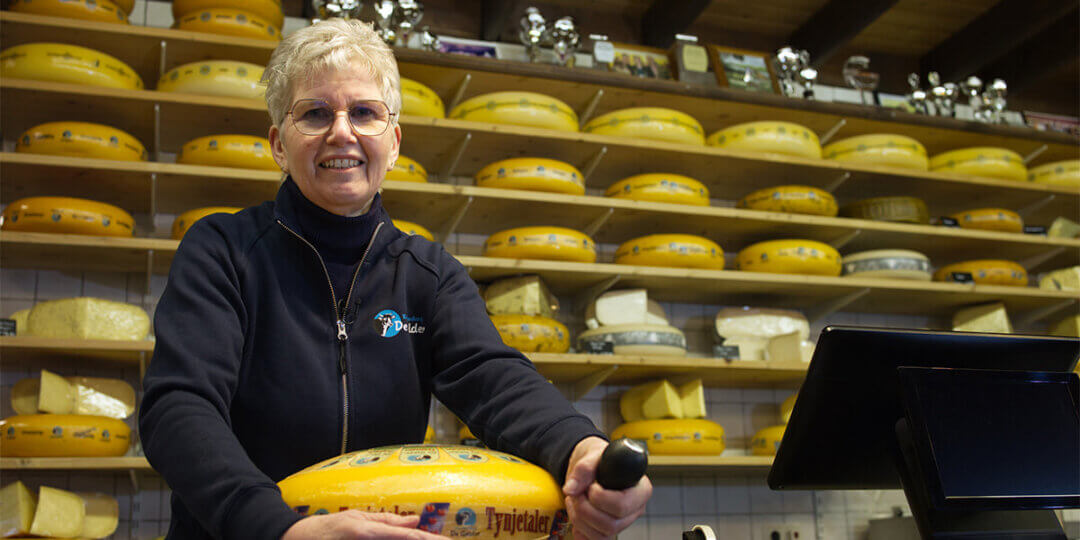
(87, 10)
(635, 339)
(1059, 173)
(660, 187)
(81, 139)
(677, 250)
(238, 151)
(651, 123)
(786, 407)
(532, 174)
(767, 441)
(518, 108)
(184, 221)
(896, 209)
(127, 5)
(551, 243)
(413, 229)
(773, 137)
(63, 63)
(458, 491)
(63, 435)
(790, 257)
(407, 170)
(67, 215)
(990, 219)
(888, 264)
(225, 78)
(532, 333)
(267, 10)
(419, 100)
(676, 437)
(228, 22)
(981, 161)
(987, 272)
(791, 199)
(881, 149)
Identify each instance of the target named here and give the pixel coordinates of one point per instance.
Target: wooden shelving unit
(27, 349)
(118, 464)
(725, 465)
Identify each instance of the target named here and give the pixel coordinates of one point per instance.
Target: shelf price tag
(727, 352)
(948, 222)
(599, 347)
(962, 277)
(7, 327)
(1035, 229)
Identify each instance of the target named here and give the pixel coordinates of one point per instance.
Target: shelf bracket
(838, 182)
(459, 92)
(1035, 260)
(1043, 312)
(1036, 153)
(597, 223)
(590, 166)
(844, 240)
(1036, 205)
(153, 201)
(454, 221)
(832, 131)
(161, 58)
(592, 292)
(149, 274)
(585, 384)
(455, 157)
(142, 365)
(590, 108)
(157, 132)
(134, 480)
(826, 309)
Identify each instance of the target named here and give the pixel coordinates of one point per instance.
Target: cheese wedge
(17, 505)
(784, 349)
(628, 306)
(88, 318)
(654, 313)
(984, 318)
(1066, 279)
(24, 396)
(750, 348)
(92, 396)
(102, 515)
(20, 321)
(59, 513)
(524, 295)
(660, 400)
(1067, 327)
(55, 394)
(692, 395)
(1063, 227)
(760, 322)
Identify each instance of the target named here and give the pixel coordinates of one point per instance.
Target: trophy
(326, 9)
(384, 18)
(787, 63)
(564, 39)
(996, 96)
(857, 75)
(533, 28)
(944, 95)
(807, 76)
(428, 40)
(972, 88)
(406, 18)
(917, 96)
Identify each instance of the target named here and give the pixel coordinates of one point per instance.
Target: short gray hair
(329, 45)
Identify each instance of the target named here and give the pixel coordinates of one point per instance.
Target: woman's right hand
(353, 524)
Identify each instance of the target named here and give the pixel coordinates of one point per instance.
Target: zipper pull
(341, 335)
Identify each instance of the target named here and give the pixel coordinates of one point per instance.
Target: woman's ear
(277, 148)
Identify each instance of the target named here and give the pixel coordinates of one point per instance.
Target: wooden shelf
(88, 253)
(76, 464)
(628, 370)
(27, 349)
(710, 464)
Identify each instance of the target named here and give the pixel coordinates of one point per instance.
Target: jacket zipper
(339, 323)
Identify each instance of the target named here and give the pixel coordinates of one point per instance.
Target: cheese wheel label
(887, 263)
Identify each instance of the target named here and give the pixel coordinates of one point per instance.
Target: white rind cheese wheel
(532, 333)
(807, 257)
(772, 137)
(767, 441)
(549, 243)
(413, 229)
(64, 435)
(671, 250)
(660, 187)
(236, 151)
(225, 78)
(532, 174)
(63, 63)
(652, 123)
(888, 264)
(1060, 173)
(87, 10)
(987, 162)
(518, 108)
(636, 339)
(228, 22)
(88, 318)
(419, 100)
(68, 215)
(81, 139)
(764, 323)
(990, 219)
(407, 170)
(681, 437)
(267, 10)
(792, 200)
(882, 149)
(987, 272)
(184, 221)
(895, 209)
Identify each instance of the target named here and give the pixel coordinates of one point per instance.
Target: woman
(277, 337)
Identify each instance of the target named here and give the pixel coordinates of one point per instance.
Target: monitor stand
(964, 524)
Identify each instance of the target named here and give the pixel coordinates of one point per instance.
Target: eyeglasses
(315, 116)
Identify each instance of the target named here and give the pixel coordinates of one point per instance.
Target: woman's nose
(341, 128)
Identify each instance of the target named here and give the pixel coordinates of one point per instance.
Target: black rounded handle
(622, 464)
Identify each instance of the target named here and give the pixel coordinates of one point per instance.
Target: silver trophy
(807, 76)
(327, 9)
(428, 40)
(406, 17)
(384, 19)
(944, 95)
(972, 89)
(564, 39)
(996, 97)
(533, 28)
(857, 75)
(917, 96)
(788, 65)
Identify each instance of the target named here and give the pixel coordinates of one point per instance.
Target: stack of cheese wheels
(767, 441)
(56, 513)
(532, 333)
(71, 64)
(882, 149)
(791, 199)
(772, 137)
(986, 272)
(897, 209)
(67, 215)
(413, 229)
(237, 151)
(518, 108)
(87, 10)
(1058, 173)
(660, 187)
(982, 161)
(532, 174)
(223, 78)
(184, 221)
(419, 100)
(990, 219)
(627, 321)
(652, 123)
(407, 170)
(887, 264)
(81, 139)
(676, 437)
(523, 311)
(677, 250)
(458, 491)
(550, 243)
(808, 257)
(257, 19)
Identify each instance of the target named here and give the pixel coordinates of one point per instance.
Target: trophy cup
(533, 28)
(996, 95)
(972, 88)
(384, 19)
(346, 9)
(564, 39)
(406, 18)
(428, 40)
(807, 76)
(944, 95)
(787, 66)
(857, 75)
(917, 96)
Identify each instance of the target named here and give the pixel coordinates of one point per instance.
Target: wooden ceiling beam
(834, 25)
(664, 19)
(1038, 57)
(992, 35)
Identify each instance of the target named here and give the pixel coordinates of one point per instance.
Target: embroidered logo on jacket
(388, 323)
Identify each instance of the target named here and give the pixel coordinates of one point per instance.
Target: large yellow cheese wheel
(990, 219)
(981, 161)
(532, 333)
(419, 100)
(653, 123)
(791, 199)
(518, 108)
(239, 151)
(987, 272)
(678, 437)
(787, 406)
(87, 10)
(63, 63)
(635, 339)
(411, 228)
(228, 22)
(184, 221)
(888, 264)
(882, 149)
(63, 435)
(774, 137)
(679, 250)
(532, 174)
(767, 441)
(127, 5)
(899, 209)
(81, 139)
(660, 187)
(790, 257)
(267, 10)
(553, 243)
(458, 491)
(67, 215)
(1058, 173)
(407, 170)
(226, 78)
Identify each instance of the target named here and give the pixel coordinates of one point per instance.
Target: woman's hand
(353, 524)
(597, 512)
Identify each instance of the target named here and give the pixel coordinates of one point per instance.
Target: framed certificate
(745, 70)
